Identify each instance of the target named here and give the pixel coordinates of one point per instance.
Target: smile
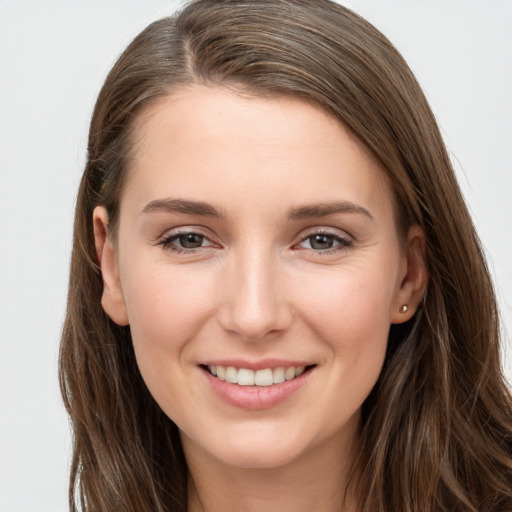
(263, 385)
(263, 377)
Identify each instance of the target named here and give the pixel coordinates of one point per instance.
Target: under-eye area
(263, 377)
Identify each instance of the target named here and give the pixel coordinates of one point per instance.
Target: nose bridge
(255, 304)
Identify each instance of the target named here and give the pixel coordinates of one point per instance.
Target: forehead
(214, 142)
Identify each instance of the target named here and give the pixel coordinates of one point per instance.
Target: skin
(257, 288)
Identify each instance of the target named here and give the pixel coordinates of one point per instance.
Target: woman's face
(256, 236)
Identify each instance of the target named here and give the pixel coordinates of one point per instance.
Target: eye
(185, 241)
(189, 240)
(325, 242)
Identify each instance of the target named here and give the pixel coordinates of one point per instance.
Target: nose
(255, 300)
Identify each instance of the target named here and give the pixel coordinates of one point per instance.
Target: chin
(259, 446)
(248, 457)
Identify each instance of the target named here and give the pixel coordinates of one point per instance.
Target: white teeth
(247, 377)
(289, 373)
(221, 372)
(231, 375)
(278, 375)
(263, 377)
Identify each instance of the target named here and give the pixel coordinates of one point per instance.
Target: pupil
(321, 241)
(191, 241)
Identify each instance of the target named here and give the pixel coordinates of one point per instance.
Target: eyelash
(344, 243)
(167, 242)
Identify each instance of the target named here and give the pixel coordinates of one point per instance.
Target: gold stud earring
(404, 309)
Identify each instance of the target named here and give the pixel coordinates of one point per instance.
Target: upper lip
(258, 365)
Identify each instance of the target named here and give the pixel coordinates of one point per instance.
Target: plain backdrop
(54, 56)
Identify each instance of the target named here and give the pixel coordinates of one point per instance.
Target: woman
(277, 298)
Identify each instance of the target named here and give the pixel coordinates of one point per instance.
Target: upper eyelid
(337, 232)
(344, 241)
(176, 232)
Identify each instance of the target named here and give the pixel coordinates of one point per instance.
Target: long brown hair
(437, 426)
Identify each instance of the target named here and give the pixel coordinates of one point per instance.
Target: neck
(317, 480)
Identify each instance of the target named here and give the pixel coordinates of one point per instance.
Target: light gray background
(54, 56)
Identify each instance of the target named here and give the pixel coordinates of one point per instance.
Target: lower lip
(256, 397)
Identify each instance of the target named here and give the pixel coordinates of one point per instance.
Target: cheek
(166, 308)
(350, 315)
(354, 302)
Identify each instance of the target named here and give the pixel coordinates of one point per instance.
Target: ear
(413, 276)
(112, 298)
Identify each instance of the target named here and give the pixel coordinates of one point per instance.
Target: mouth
(264, 377)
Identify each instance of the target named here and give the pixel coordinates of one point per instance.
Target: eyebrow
(184, 206)
(325, 209)
(172, 205)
